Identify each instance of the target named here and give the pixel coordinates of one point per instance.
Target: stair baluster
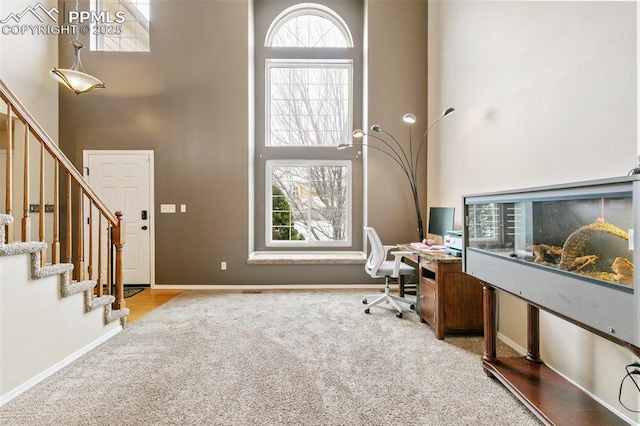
(53, 161)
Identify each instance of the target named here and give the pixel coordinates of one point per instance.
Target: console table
(448, 300)
(548, 395)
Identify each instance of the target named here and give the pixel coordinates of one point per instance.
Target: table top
(434, 256)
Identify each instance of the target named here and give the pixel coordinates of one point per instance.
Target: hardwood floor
(146, 301)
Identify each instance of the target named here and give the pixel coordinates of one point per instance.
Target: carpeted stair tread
(50, 270)
(111, 314)
(6, 219)
(97, 302)
(78, 287)
(67, 287)
(16, 248)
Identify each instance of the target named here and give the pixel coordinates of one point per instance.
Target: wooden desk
(448, 300)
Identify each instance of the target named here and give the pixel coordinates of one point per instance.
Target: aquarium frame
(608, 310)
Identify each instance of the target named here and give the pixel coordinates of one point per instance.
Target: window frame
(269, 165)
(304, 63)
(266, 14)
(302, 9)
(114, 31)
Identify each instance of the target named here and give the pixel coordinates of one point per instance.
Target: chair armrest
(396, 266)
(402, 253)
(387, 248)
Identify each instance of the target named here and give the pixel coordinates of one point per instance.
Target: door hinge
(86, 171)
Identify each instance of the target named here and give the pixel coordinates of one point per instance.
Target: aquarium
(567, 248)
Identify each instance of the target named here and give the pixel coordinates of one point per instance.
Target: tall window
(308, 110)
(125, 27)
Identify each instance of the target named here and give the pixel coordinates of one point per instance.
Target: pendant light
(75, 78)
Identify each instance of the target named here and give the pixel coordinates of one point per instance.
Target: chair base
(389, 298)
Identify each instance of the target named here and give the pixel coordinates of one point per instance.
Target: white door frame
(152, 239)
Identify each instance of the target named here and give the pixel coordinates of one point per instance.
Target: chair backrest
(377, 255)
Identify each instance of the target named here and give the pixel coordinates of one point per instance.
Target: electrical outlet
(223, 266)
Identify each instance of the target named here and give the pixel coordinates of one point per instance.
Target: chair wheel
(399, 314)
(412, 307)
(366, 311)
(364, 301)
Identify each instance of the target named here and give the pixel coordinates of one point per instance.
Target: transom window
(126, 26)
(308, 25)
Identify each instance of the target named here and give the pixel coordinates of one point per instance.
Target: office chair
(378, 266)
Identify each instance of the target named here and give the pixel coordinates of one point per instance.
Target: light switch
(167, 208)
(183, 208)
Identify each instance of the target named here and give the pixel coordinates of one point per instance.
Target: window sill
(306, 258)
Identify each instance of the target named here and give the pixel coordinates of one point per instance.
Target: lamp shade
(76, 81)
(409, 118)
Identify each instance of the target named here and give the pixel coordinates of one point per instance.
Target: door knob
(144, 228)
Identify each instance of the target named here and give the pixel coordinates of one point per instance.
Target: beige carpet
(272, 358)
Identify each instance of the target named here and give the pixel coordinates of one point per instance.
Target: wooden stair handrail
(21, 112)
(115, 223)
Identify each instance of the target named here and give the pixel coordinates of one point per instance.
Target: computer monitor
(441, 220)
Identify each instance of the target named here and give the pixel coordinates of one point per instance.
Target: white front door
(123, 179)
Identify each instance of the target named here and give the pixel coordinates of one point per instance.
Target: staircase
(67, 287)
(57, 273)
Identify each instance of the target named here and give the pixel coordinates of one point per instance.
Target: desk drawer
(428, 264)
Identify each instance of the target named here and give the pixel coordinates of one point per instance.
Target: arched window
(305, 90)
(308, 25)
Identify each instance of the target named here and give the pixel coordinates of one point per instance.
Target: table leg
(490, 332)
(533, 334)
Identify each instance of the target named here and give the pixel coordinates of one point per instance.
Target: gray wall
(188, 100)
(397, 84)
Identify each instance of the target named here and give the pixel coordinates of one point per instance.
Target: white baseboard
(56, 367)
(270, 287)
(513, 345)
